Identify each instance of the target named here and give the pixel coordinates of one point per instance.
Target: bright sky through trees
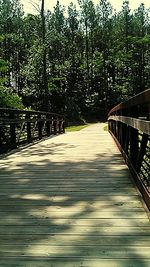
(76, 63)
(117, 4)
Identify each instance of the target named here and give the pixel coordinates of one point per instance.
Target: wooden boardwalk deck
(69, 202)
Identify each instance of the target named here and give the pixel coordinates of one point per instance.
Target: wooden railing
(129, 124)
(18, 127)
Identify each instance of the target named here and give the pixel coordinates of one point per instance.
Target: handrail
(139, 99)
(18, 127)
(19, 111)
(129, 124)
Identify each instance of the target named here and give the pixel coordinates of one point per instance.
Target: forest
(76, 62)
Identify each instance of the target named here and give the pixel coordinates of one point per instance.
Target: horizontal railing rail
(19, 127)
(129, 124)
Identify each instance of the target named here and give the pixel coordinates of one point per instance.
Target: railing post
(29, 135)
(112, 127)
(48, 125)
(60, 125)
(120, 132)
(12, 132)
(51, 124)
(40, 126)
(0, 135)
(55, 124)
(133, 116)
(18, 127)
(63, 125)
(124, 132)
(142, 152)
(126, 147)
(134, 148)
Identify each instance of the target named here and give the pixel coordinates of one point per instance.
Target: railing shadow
(53, 215)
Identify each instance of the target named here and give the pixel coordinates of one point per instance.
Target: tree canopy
(76, 62)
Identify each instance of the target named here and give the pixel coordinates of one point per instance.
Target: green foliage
(76, 128)
(3, 70)
(9, 100)
(81, 64)
(32, 70)
(3, 65)
(106, 128)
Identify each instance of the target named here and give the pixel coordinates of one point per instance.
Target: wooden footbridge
(71, 200)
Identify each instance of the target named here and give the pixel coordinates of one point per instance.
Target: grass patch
(106, 128)
(75, 128)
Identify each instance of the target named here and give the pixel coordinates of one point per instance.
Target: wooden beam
(138, 124)
(142, 98)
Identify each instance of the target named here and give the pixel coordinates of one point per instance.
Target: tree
(44, 85)
(80, 64)
(141, 42)
(11, 16)
(104, 13)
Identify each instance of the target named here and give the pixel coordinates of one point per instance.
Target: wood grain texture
(141, 125)
(69, 202)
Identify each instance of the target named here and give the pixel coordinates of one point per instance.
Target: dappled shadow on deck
(52, 215)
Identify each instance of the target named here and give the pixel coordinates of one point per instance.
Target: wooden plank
(63, 198)
(14, 207)
(82, 186)
(70, 209)
(23, 204)
(74, 239)
(83, 213)
(68, 173)
(61, 262)
(56, 180)
(16, 231)
(141, 125)
(72, 185)
(98, 179)
(88, 251)
(77, 221)
(69, 191)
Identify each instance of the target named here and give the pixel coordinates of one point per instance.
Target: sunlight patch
(24, 181)
(60, 198)
(35, 197)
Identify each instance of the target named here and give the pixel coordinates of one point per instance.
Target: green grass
(106, 128)
(75, 128)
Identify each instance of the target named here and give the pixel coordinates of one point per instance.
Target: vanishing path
(69, 202)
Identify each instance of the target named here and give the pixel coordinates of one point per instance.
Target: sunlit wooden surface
(69, 202)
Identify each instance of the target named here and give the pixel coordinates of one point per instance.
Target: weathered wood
(21, 232)
(75, 262)
(134, 149)
(107, 222)
(65, 214)
(69, 201)
(142, 151)
(29, 134)
(88, 251)
(141, 125)
(24, 205)
(39, 127)
(12, 134)
(129, 121)
(67, 240)
(18, 127)
(143, 97)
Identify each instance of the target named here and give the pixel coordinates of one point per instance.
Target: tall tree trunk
(87, 54)
(46, 106)
(126, 43)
